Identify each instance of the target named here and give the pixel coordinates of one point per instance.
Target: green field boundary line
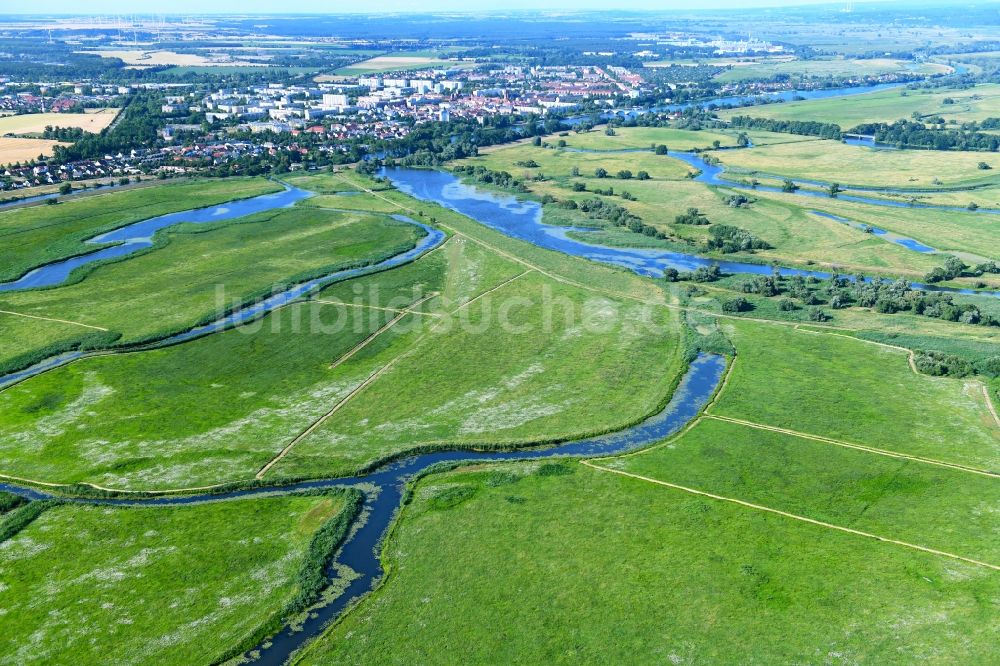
(373, 307)
(859, 447)
(56, 486)
(793, 516)
(59, 321)
(363, 385)
(910, 354)
(392, 322)
(484, 294)
(989, 404)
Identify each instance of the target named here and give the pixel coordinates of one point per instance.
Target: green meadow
(499, 341)
(632, 138)
(835, 162)
(845, 389)
(976, 103)
(194, 272)
(166, 585)
(590, 566)
(42, 234)
(797, 236)
(920, 503)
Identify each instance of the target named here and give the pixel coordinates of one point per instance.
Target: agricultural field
(823, 67)
(399, 62)
(976, 103)
(138, 58)
(16, 149)
(172, 584)
(93, 120)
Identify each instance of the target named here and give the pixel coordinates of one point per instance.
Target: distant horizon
(312, 7)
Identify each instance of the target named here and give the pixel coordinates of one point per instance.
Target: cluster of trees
(941, 364)
(739, 201)
(804, 127)
(891, 296)
(600, 209)
(727, 239)
(499, 179)
(693, 216)
(954, 267)
(914, 134)
(69, 134)
(136, 127)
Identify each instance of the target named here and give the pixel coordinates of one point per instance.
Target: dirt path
(367, 382)
(989, 404)
(859, 447)
(371, 307)
(785, 514)
(392, 322)
(60, 321)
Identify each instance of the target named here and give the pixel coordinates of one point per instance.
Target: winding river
(431, 239)
(522, 219)
(384, 487)
(125, 240)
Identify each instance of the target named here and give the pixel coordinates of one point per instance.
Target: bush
(728, 239)
(940, 364)
(452, 497)
(554, 469)
(738, 304)
(692, 216)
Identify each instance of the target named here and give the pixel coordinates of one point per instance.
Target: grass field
(844, 389)
(171, 585)
(520, 380)
(199, 270)
(797, 236)
(828, 67)
(14, 150)
(958, 231)
(92, 121)
(836, 162)
(936, 507)
(37, 235)
(222, 425)
(645, 137)
(402, 62)
(599, 568)
(977, 103)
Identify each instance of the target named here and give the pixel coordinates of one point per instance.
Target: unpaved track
(59, 321)
(858, 447)
(785, 514)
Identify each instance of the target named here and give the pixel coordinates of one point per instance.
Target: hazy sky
(325, 6)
